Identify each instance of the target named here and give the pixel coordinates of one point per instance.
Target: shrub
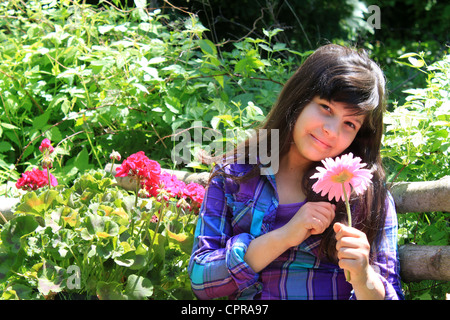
(416, 148)
(95, 79)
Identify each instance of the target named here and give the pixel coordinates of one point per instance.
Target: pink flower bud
(46, 145)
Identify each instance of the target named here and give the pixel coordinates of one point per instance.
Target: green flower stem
(347, 206)
(48, 177)
(112, 167)
(349, 218)
(152, 240)
(160, 218)
(138, 183)
(138, 186)
(163, 205)
(93, 149)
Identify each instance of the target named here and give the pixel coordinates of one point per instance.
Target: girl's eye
(325, 107)
(350, 124)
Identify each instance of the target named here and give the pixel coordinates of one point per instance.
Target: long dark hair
(340, 74)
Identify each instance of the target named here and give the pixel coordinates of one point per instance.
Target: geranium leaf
(15, 229)
(110, 291)
(138, 288)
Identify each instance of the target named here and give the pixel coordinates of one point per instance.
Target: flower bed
(97, 239)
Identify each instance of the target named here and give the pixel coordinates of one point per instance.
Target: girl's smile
(320, 142)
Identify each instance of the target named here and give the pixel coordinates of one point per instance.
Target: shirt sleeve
(217, 267)
(386, 261)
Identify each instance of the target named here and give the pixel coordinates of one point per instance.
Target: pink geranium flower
(171, 184)
(341, 175)
(46, 145)
(196, 192)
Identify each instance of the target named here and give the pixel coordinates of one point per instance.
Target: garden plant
(97, 240)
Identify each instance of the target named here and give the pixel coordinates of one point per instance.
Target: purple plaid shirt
(232, 216)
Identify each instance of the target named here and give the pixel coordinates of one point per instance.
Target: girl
(269, 236)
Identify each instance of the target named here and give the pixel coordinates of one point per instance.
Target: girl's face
(324, 129)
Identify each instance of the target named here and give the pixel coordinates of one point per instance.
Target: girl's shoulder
(234, 169)
(235, 177)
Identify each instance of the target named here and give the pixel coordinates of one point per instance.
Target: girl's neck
(293, 165)
(289, 180)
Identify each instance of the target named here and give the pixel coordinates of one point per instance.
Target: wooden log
(419, 262)
(426, 196)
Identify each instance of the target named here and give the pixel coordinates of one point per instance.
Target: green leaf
(7, 261)
(110, 291)
(208, 47)
(408, 55)
(184, 240)
(138, 288)
(99, 226)
(5, 146)
(8, 126)
(416, 63)
(158, 246)
(82, 161)
(51, 278)
(105, 29)
(38, 205)
(15, 229)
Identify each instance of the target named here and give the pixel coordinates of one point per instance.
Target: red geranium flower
(139, 166)
(35, 179)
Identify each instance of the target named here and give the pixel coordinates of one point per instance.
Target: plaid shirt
(232, 216)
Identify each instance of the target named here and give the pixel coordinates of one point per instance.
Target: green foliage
(417, 132)
(416, 148)
(99, 80)
(306, 23)
(95, 226)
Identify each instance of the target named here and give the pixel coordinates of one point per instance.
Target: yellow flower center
(342, 177)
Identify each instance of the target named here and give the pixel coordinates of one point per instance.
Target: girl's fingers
(322, 216)
(342, 231)
(349, 253)
(314, 217)
(350, 242)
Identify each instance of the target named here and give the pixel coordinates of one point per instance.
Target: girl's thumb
(337, 227)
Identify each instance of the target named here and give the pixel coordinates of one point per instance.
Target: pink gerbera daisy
(341, 174)
(339, 177)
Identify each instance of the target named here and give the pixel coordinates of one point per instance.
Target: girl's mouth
(320, 142)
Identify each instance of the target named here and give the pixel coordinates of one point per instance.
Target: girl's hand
(311, 218)
(353, 254)
(353, 251)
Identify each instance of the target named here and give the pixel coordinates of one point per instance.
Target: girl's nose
(331, 128)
